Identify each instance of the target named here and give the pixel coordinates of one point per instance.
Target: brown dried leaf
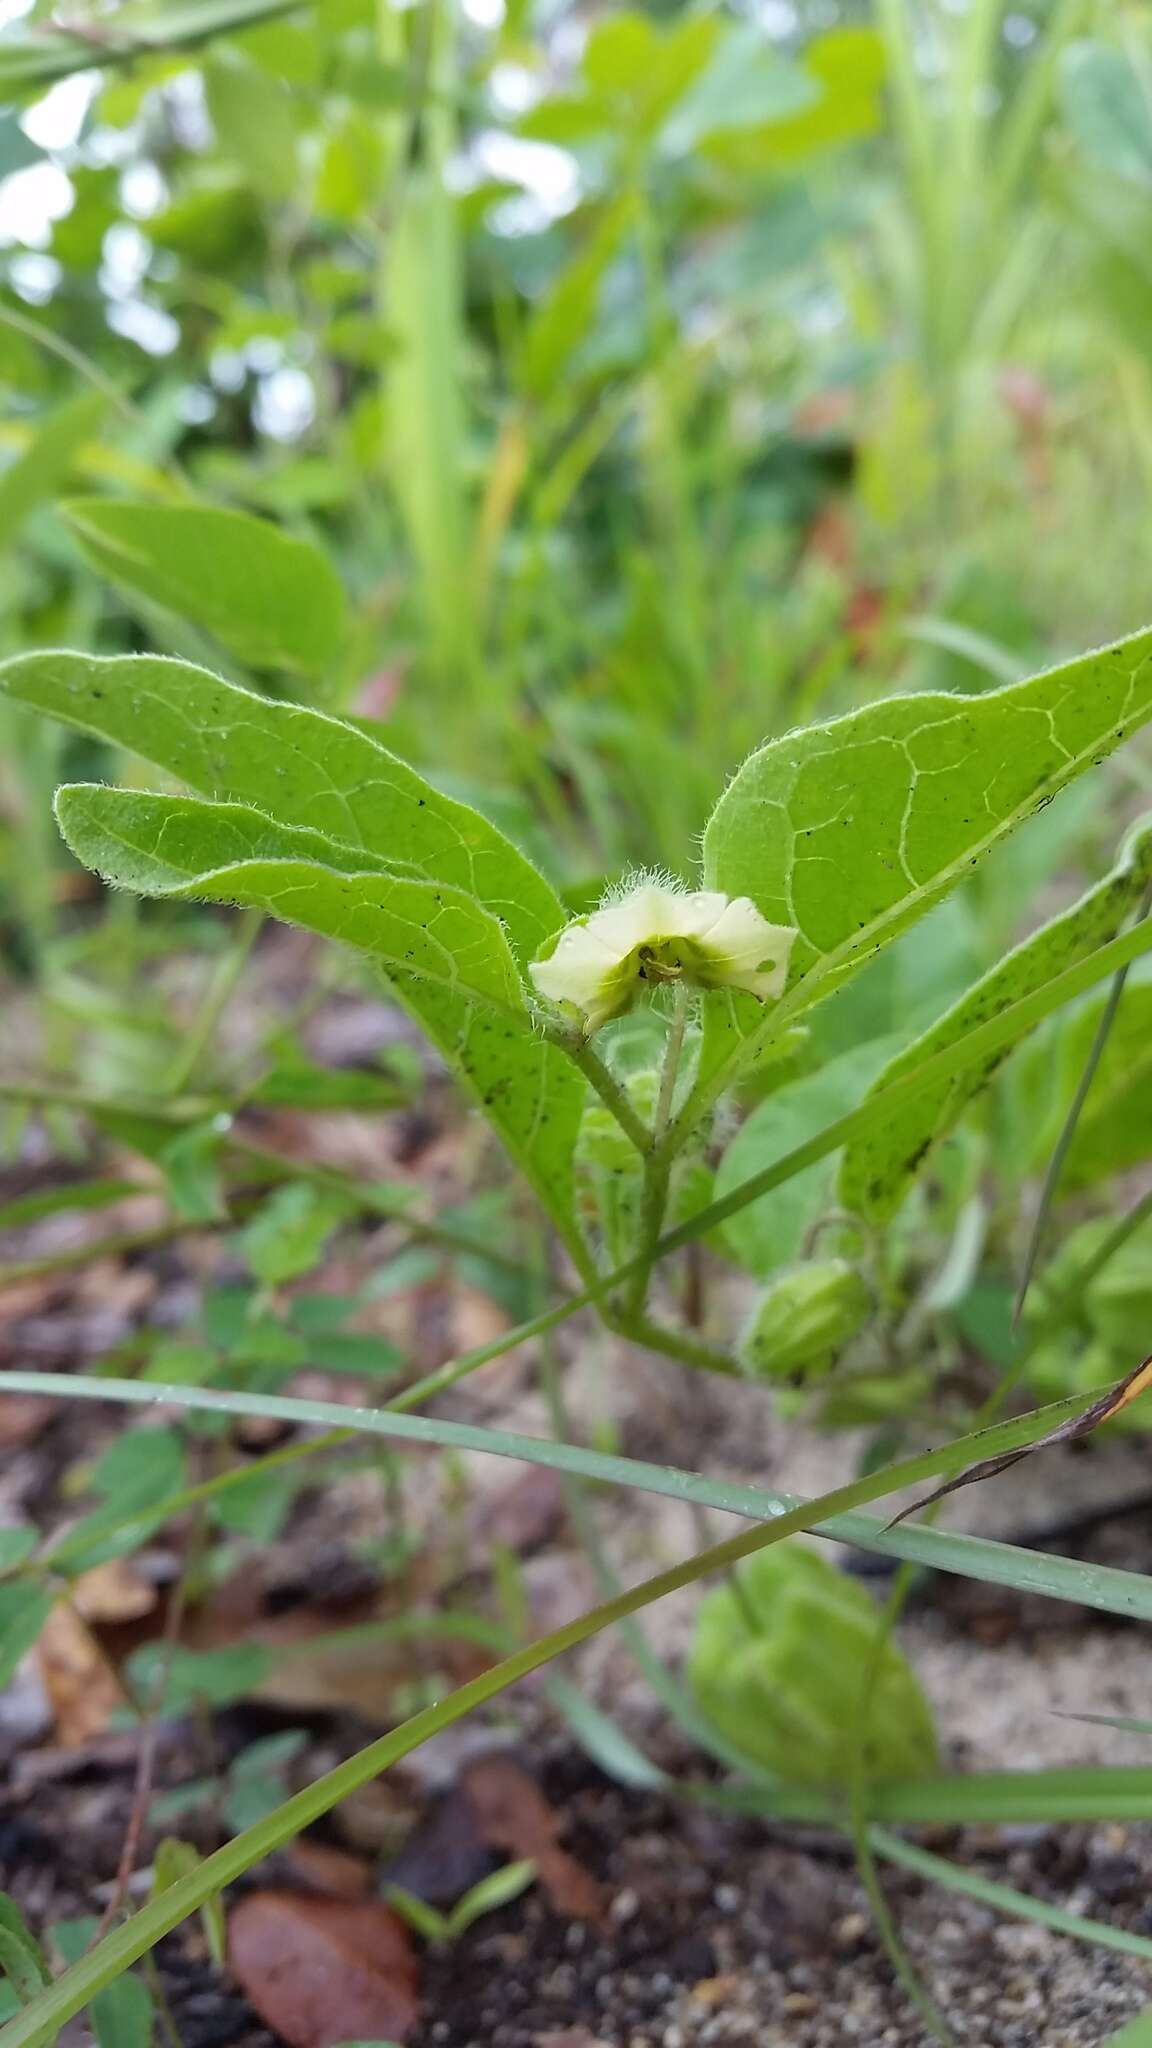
(323, 1971)
(82, 1689)
(1109, 1405)
(113, 1591)
(513, 1814)
(329, 1870)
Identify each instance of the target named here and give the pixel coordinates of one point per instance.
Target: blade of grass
(1103, 1587)
(1005, 1899)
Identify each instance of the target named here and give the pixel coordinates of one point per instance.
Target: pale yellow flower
(655, 933)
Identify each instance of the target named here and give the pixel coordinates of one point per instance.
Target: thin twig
(146, 1753)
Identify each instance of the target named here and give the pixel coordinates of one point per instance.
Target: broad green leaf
(172, 846)
(307, 769)
(746, 82)
(298, 765)
(1108, 108)
(254, 116)
(878, 1169)
(770, 1232)
(846, 68)
(270, 599)
(37, 473)
(851, 831)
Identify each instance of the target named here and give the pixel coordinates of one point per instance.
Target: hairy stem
(658, 1165)
(608, 1088)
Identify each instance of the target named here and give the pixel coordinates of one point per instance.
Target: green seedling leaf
(430, 1924)
(21, 1957)
(141, 1467)
(851, 831)
(91, 1194)
(15, 1545)
(191, 1165)
(225, 853)
(24, 1609)
(878, 1169)
(504, 1885)
(1137, 2034)
(287, 1235)
(1127, 1724)
(294, 1081)
(213, 1678)
(314, 772)
(256, 1779)
(270, 599)
(172, 1860)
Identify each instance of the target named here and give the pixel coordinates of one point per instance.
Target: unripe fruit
(780, 1669)
(804, 1319)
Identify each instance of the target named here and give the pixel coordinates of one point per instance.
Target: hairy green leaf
(309, 770)
(168, 846)
(851, 831)
(879, 1167)
(270, 599)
